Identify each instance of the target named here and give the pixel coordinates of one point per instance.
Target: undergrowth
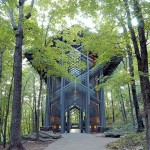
(129, 141)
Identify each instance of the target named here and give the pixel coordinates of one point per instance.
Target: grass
(129, 141)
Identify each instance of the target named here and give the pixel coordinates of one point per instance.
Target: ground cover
(130, 141)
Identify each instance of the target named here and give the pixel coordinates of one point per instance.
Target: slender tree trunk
(124, 116)
(124, 111)
(131, 106)
(42, 112)
(34, 107)
(133, 87)
(7, 113)
(121, 108)
(134, 94)
(1, 66)
(29, 121)
(38, 107)
(113, 111)
(1, 118)
(33, 119)
(26, 122)
(23, 90)
(0, 124)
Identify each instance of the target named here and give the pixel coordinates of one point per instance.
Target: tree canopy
(47, 33)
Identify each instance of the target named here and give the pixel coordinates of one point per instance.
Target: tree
(15, 142)
(133, 85)
(38, 107)
(6, 64)
(7, 113)
(6, 94)
(112, 11)
(142, 59)
(6, 34)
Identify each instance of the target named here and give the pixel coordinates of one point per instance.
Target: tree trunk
(1, 124)
(38, 107)
(1, 67)
(133, 87)
(16, 106)
(29, 120)
(23, 90)
(34, 107)
(15, 141)
(124, 116)
(7, 113)
(42, 110)
(134, 94)
(26, 122)
(146, 97)
(113, 111)
(124, 111)
(131, 106)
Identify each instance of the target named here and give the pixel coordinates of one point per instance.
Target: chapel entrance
(74, 120)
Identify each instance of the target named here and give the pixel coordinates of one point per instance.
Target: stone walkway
(80, 141)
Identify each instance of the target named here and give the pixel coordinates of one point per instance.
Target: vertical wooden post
(102, 103)
(68, 120)
(62, 107)
(81, 120)
(47, 113)
(88, 99)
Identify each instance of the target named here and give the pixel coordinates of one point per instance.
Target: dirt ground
(33, 145)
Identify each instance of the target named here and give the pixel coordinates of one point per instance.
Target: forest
(107, 28)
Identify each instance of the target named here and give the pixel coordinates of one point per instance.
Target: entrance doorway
(75, 120)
